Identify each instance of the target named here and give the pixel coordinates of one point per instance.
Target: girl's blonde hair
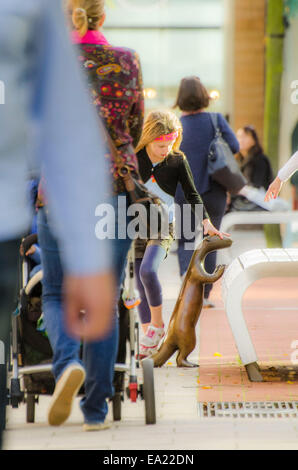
(85, 14)
(160, 123)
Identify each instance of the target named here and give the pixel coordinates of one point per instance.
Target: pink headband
(167, 137)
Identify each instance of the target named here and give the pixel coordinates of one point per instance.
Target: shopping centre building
(221, 41)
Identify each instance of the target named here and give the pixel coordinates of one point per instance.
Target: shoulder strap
(122, 169)
(214, 120)
(113, 149)
(117, 157)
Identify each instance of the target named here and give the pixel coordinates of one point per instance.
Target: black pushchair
(31, 353)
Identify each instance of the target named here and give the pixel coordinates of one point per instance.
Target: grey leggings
(147, 281)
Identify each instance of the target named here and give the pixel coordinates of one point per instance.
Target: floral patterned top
(116, 85)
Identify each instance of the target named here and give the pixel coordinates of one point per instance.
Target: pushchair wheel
(148, 390)
(16, 395)
(116, 403)
(30, 410)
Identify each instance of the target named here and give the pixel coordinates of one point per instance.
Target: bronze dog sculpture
(181, 331)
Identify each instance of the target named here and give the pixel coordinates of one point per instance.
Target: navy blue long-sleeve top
(198, 133)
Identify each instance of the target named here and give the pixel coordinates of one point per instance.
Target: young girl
(162, 166)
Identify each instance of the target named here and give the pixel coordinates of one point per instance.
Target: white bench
(257, 217)
(240, 274)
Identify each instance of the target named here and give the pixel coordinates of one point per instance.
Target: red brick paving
(271, 312)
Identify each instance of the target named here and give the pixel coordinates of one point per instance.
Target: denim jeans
(99, 357)
(8, 300)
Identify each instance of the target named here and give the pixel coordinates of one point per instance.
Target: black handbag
(152, 211)
(222, 165)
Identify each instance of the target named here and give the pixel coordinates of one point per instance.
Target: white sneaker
(151, 340)
(145, 352)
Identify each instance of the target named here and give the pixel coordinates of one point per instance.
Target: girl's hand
(273, 190)
(211, 230)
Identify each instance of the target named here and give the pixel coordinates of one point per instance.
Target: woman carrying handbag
(198, 134)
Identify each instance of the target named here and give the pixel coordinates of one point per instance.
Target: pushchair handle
(29, 241)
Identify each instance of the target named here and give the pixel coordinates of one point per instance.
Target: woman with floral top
(114, 79)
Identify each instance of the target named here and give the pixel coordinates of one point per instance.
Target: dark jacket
(257, 170)
(198, 133)
(174, 169)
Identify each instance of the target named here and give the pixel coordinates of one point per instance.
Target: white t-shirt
(168, 200)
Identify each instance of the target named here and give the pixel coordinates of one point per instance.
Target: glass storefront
(174, 38)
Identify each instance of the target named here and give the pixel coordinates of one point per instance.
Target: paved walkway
(271, 311)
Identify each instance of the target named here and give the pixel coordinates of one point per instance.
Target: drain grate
(262, 409)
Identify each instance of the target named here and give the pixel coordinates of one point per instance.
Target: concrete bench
(257, 217)
(240, 274)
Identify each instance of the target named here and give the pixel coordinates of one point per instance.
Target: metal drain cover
(254, 409)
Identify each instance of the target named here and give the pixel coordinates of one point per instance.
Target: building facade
(222, 42)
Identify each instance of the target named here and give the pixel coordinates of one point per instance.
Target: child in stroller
(34, 346)
(30, 248)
